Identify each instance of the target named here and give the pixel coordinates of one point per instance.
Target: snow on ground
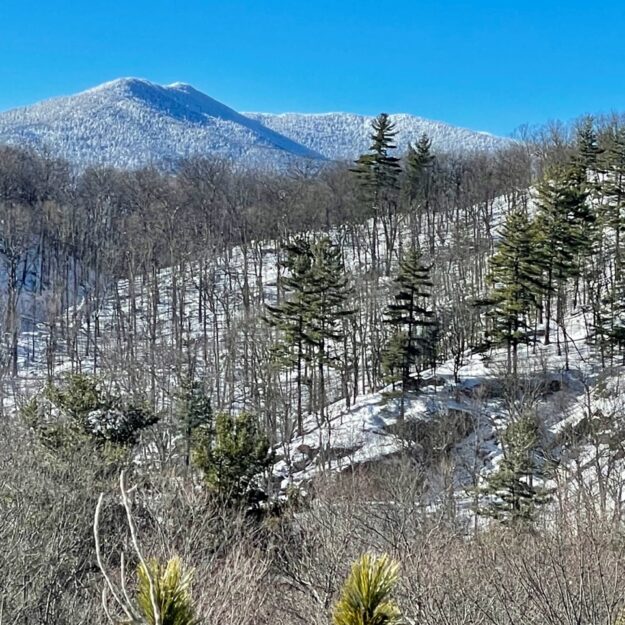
(563, 391)
(561, 382)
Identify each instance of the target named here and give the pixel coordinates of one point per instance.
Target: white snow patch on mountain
(131, 123)
(344, 136)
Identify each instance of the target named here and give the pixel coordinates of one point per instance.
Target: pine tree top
(382, 136)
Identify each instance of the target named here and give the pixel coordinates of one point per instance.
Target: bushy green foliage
(517, 283)
(366, 595)
(394, 356)
(194, 413)
(514, 490)
(238, 453)
(80, 410)
(171, 591)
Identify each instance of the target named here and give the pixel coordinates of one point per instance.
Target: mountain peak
(117, 84)
(182, 86)
(344, 136)
(133, 122)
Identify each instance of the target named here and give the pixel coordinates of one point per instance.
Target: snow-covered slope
(471, 411)
(131, 123)
(463, 411)
(344, 136)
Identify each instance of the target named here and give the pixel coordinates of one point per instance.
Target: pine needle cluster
(171, 591)
(366, 595)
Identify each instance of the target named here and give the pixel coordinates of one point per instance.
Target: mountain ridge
(132, 122)
(343, 136)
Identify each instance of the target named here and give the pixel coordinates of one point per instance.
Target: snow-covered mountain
(131, 123)
(344, 136)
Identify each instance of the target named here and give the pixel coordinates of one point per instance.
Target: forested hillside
(342, 136)
(414, 354)
(134, 123)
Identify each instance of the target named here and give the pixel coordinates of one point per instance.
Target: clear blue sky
(488, 65)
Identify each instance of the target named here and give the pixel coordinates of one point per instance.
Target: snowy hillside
(463, 411)
(467, 415)
(131, 123)
(344, 136)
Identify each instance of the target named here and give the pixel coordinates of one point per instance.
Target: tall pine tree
(328, 306)
(586, 160)
(614, 189)
(412, 321)
(292, 316)
(310, 317)
(517, 284)
(419, 166)
(565, 225)
(379, 172)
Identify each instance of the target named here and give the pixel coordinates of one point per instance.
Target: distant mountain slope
(344, 136)
(131, 123)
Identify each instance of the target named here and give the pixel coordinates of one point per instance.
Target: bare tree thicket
(152, 282)
(149, 278)
(289, 568)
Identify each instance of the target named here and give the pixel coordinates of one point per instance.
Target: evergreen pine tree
(419, 162)
(292, 315)
(311, 316)
(513, 495)
(418, 166)
(609, 307)
(609, 325)
(410, 319)
(379, 174)
(565, 227)
(586, 160)
(517, 284)
(328, 306)
(614, 189)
